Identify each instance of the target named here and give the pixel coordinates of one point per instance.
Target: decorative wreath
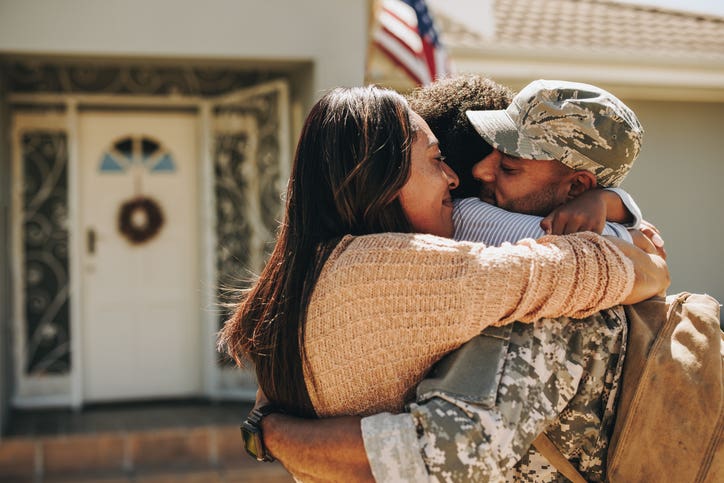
(140, 219)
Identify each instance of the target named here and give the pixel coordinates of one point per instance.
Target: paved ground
(154, 442)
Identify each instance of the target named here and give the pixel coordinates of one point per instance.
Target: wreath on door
(140, 219)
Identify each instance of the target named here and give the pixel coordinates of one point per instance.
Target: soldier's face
(529, 186)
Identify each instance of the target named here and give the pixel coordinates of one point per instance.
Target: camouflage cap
(580, 125)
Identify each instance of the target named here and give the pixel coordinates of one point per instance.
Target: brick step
(198, 454)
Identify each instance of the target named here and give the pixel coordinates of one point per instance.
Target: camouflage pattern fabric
(560, 375)
(580, 125)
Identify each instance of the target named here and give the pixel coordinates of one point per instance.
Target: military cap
(580, 125)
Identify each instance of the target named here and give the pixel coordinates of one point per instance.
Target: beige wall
(678, 182)
(331, 34)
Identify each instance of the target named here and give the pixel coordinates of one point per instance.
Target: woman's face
(425, 197)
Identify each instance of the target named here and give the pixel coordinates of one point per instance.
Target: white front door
(140, 299)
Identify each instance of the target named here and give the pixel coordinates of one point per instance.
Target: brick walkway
(205, 454)
(90, 446)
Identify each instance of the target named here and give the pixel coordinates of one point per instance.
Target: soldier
(477, 415)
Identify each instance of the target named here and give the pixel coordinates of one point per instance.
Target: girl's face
(425, 197)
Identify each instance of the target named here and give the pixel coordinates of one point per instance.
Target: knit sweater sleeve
(386, 307)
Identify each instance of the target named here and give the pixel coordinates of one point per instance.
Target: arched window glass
(137, 149)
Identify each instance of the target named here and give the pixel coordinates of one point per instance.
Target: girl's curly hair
(443, 105)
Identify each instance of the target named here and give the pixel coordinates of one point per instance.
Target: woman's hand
(654, 235)
(652, 273)
(643, 242)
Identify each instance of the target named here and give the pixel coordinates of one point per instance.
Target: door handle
(91, 241)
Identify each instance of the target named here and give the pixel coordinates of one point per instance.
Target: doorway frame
(67, 390)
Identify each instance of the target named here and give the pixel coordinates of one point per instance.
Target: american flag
(406, 34)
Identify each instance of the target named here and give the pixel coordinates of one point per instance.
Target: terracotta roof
(595, 27)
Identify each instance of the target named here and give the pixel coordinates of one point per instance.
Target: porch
(159, 441)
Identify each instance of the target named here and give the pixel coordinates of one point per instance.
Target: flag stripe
(406, 34)
(402, 57)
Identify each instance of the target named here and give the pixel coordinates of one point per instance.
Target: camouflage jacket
(559, 375)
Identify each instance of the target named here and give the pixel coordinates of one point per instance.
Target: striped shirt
(478, 221)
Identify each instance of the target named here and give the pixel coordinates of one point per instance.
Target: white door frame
(207, 242)
(213, 379)
(48, 390)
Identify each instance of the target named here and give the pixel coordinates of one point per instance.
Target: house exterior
(143, 147)
(143, 150)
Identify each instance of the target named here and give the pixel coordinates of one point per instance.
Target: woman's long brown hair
(352, 159)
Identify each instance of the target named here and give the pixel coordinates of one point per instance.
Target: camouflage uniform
(559, 376)
(580, 125)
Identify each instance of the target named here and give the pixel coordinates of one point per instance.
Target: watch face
(252, 441)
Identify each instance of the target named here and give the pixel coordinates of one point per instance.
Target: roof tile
(595, 27)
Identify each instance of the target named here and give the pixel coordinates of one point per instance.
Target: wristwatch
(251, 432)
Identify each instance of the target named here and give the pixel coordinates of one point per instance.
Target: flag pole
(372, 10)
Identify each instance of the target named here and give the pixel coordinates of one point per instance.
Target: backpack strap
(554, 456)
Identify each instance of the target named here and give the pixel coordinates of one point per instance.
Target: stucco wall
(677, 181)
(331, 34)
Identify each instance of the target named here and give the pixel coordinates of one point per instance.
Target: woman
(353, 308)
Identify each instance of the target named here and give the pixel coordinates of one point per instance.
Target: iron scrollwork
(45, 230)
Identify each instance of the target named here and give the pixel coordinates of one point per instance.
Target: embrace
(389, 258)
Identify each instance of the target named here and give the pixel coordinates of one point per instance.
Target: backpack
(670, 413)
(670, 416)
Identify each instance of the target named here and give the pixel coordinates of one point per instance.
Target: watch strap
(253, 424)
(257, 414)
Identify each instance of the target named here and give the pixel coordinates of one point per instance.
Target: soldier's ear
(580, 182)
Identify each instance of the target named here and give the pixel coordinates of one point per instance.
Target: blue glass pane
(110, 164)
(164, 164)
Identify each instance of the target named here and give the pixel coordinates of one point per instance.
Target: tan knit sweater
(386, 307)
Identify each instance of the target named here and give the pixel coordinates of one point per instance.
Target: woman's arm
(417, 297)
(651, 275)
